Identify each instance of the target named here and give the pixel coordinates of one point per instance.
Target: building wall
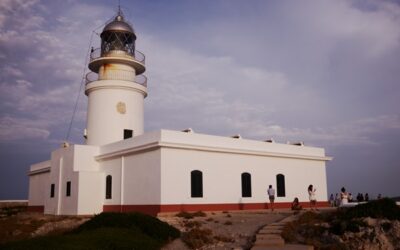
(75, 164)
(106, 118)
(61, 172)
(137, 174)
(222, 177)
(38, 184)
(91, 194)
(90, 180)
(142, 178)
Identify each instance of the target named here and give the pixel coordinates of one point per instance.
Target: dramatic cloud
(322, 72)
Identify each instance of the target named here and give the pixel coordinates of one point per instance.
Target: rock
(370, 221)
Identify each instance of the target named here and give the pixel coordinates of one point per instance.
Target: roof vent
(238, 136)
(300, 143)
(188, 130)
(270, 140)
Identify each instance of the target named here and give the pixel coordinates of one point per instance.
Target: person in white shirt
(271, 195)
(311, 196)
(344, 197)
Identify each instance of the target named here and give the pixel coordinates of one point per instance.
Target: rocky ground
(220, 230)
(25, 225)
(211, 230)
(330, 232)
(234, 229)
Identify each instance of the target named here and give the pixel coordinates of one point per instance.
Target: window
(108, 186)
(52, 188)
(68, 188)
(246, 185)
(196, 178)
(280, 185)
(128, 133)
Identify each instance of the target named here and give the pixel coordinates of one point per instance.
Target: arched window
(246, 185)
(108, 186)
(280, 185)
(196, 178)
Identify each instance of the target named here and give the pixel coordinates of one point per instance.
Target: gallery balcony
(122, 75)
(136, 59)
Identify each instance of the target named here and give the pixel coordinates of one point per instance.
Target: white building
(121, 168)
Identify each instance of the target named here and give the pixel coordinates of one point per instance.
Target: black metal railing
(123, 75)
(138, 56)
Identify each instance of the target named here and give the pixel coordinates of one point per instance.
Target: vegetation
(107, 231)
(11, 210)
(189, 216)
(384, 209)
(197, 237)
(323, 230)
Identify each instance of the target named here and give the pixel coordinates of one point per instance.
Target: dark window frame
(196, 184)
(246, 184)
(68, 189)
(52, 190)
(128, 133)
(280, 185)
(109, 187)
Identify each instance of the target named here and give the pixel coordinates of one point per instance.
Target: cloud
(22, 129)
(42, 65)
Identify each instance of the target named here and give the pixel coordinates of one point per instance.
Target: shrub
(185, 215)
(223, 238)
(107, 231)
(197, 237)
(191, 224)
(147, 224)
(189, 216)
(383, 208)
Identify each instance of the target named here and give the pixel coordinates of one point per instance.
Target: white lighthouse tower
(116, 87)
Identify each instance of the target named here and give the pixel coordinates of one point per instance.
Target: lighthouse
(115, 86)
(162, 170)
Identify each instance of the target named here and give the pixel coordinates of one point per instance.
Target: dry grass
(197, 238)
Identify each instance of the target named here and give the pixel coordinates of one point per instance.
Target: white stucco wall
(137, 174)
(38, 183)
(142, 178)
(105, 123)
(112, 167)
(91, 192)
(61, 172)
(222, 177)
(77, 165)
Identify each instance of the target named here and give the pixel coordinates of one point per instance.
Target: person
(296, 205)
(332, 200)
(350, 197)
(366, 198)
(271, 195)
(311, 195)
(344, 198)
(379, 196)
(337, 200)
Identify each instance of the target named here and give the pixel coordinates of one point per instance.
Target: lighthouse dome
(119, 24)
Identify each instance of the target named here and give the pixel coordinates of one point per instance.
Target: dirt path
(228, 230)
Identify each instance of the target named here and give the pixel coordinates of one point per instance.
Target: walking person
(344, 197)
(311, 196)
(332, 200)
(337, 200)
(271, 195)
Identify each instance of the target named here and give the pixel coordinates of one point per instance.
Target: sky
(318, 71)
